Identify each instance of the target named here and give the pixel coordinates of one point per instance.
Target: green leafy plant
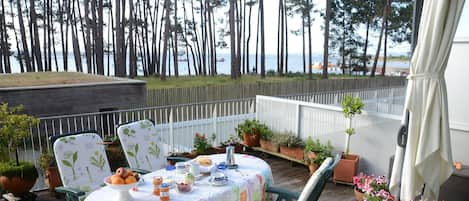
(312, 145)
(289, 140)
(252, 127)
(47, 159)
(350, 107)
(201, 144)
(14, 127)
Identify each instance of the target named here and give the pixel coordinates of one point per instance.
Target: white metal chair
(82, 163)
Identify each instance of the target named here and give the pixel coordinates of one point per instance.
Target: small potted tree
(316, 153)
(250, 132)
(51, 172)
(348, 164)
(16, 176)
(292, 146)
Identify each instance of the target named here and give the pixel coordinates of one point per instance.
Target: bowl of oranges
(122, 181)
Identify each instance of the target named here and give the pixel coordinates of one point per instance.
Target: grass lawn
(193, 81)
(48, 78)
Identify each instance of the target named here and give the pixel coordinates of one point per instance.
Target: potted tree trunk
(348, 164)
(292, 146)
(316, 153)
(250, 132)
(16, 176)
(51, 172)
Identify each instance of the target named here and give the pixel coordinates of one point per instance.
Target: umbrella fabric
(427, 158)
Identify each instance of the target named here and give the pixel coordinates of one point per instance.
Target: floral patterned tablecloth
(247, 183)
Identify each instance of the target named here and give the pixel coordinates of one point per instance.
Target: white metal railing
(307, 119)
(178, 123)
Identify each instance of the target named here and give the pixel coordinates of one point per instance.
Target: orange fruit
(116, 179)
(130, 179)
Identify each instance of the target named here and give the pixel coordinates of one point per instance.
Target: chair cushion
(142, 145)
(82, 161)
(314, 179)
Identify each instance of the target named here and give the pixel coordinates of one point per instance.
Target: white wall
(458, 98)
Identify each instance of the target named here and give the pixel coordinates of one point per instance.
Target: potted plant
(16, 176)
(51, 172)
(348, 164)
(316, 153)
(233, 140)
(250, 132)
(291, 146)
(201, 144)
(267, 143)
(371, 188)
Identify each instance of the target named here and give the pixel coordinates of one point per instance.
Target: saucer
(218, 183)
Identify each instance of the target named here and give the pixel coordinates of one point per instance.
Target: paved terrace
(286, 175)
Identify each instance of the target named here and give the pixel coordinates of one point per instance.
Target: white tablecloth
(245, 184)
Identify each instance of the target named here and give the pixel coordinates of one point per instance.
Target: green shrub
(253, 127)
(288, 139)
(25, 170)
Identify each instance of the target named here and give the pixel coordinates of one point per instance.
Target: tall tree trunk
(23, 37)
(4, 35)
(233, 37)
(99, 39)
(365, 48)
(132, 47)
(303, 43)
(261, 8)
(238, 40)
(385, 17)
(385, 57)
(167, 7)
(249, 37)
(76, 45)
(286, 37)
(37, 44)
(175, 39)
(326, 40)
(62, 11)
(20, 53)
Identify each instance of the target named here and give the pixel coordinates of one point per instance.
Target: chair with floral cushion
(313, 188)
(82, 163)
(143, 146)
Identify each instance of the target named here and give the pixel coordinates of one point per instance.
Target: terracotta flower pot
(358, 195)
(16, 185)
(52, 178)
(269, 146)
(346, 168)
(251, 140)
(292, 152)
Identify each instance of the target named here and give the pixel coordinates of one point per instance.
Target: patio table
(246, 183)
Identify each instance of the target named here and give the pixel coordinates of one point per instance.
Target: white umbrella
(427, 158)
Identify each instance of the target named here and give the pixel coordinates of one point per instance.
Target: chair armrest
(67, 190)
(177, 159)
(283, 193)
(139, 171)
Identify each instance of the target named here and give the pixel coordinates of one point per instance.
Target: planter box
(346, 168)
(269, 146)
(292, 152)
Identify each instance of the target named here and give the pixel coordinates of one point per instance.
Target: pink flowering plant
(374, 188)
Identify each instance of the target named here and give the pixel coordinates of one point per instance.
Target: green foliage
(287, 139)
(201, 144)
(47, 159)
(14, 127)
(253, 127)
(350, 131)
(352, 106)
(322, 150)
(25, 170)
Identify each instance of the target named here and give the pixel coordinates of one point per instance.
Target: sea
(295, 64)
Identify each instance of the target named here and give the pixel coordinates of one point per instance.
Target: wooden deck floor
(286, 175)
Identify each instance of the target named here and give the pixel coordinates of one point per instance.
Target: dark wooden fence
(172, 96)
